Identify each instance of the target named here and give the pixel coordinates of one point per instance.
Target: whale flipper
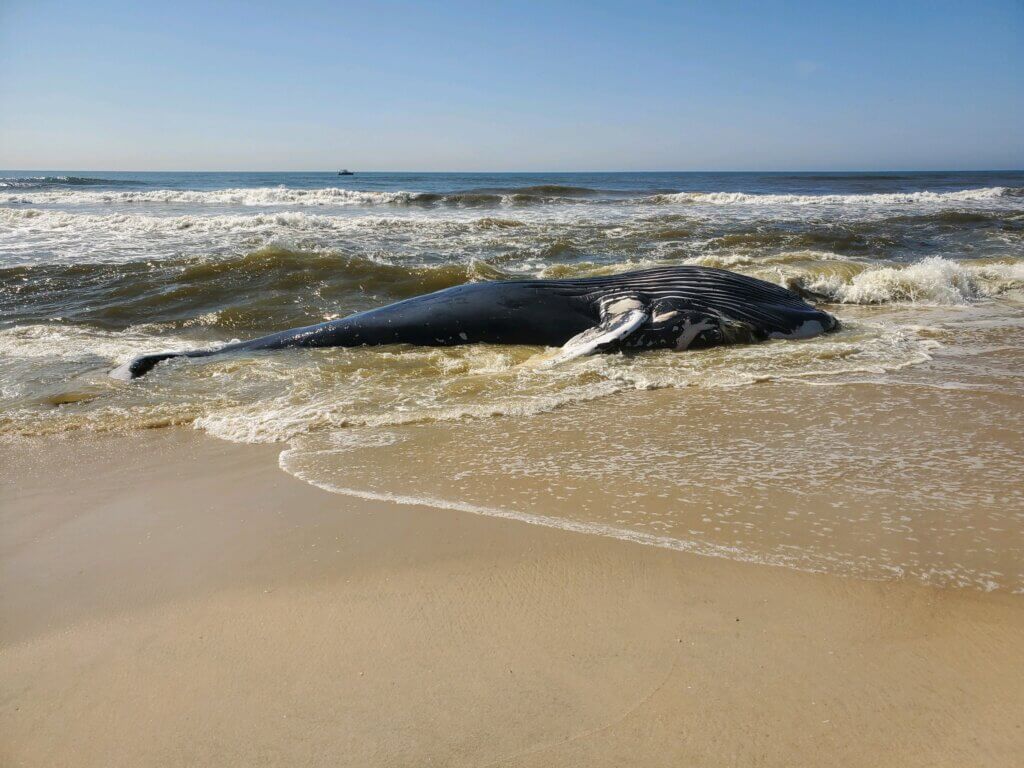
(140, 366)
(614, 327)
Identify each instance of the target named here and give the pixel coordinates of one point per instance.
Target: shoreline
(169, 598)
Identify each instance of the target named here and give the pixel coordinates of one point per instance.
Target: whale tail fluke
(140, 366)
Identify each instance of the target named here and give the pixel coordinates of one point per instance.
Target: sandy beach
(170, 599)
(511, 385)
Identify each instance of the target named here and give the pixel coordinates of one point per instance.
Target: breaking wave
(63, 191)
(880, 199)
(239, 196)
(287, 196)
(931, 281)
(44, 182)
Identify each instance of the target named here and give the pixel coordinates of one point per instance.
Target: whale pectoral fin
(140, 366)
(612, 328)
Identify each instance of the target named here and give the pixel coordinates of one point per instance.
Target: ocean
(891, 449)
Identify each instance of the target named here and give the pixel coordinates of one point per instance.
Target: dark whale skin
(736, 308)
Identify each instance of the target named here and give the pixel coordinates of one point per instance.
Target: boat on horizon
(346, 172)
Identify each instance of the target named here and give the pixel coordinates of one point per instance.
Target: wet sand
(874, 480)
(168, 599)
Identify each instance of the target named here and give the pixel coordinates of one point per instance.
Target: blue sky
(525, 86)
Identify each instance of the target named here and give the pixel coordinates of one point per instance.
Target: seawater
(891, 448)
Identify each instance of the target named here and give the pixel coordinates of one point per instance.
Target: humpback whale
(681, 307)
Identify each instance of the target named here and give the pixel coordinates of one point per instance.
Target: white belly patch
(621, 306)
(662, 317)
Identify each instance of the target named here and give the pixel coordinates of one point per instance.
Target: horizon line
(533, 172)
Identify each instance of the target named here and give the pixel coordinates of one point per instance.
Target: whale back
(635, 308)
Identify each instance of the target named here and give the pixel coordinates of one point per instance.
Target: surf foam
(933, 280)
(878, 199)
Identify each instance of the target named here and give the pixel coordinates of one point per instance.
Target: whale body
(683, 307)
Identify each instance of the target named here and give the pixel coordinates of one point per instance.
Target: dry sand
(170, 600)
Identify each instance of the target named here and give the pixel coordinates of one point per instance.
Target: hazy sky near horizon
(107, 85)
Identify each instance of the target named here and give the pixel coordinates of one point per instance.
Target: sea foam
(880, 199)
(933, 280)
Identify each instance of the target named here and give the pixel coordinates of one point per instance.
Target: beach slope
(169, 599)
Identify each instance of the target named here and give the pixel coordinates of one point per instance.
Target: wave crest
(52, 190)
(43, 182)
(288, 196)
(880, 199)
(934, 280)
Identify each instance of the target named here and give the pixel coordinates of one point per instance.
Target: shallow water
(808, 454)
